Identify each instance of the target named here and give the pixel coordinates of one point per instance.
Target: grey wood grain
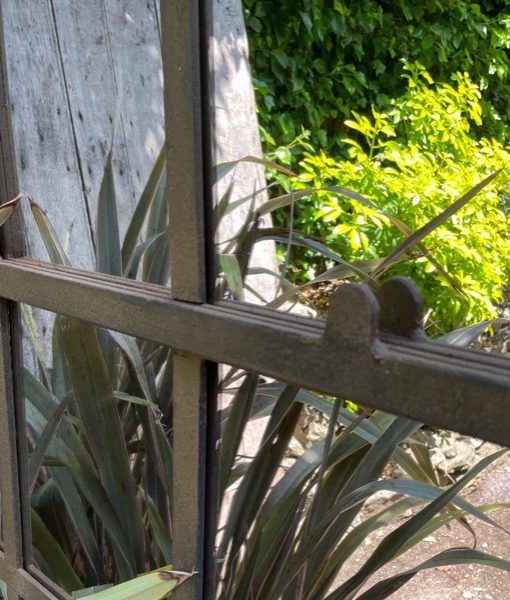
(111, 58)
(43, 138)
(136, 52)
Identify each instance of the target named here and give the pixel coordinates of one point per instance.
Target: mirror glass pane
(312, 487)
(99, 460)
(86, 106)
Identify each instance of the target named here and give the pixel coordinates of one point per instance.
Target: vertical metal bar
(183, 70)
(9, 482)
(185, 192)
(188, 446)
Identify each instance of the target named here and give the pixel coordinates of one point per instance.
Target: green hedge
(413, 160)
(314, 61)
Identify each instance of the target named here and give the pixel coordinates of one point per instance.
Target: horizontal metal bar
(21, 584)
(456, 389)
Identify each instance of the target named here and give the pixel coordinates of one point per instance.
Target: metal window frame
(399, 371)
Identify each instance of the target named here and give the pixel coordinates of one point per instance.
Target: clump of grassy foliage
(99, 417)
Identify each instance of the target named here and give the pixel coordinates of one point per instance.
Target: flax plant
(99, 419)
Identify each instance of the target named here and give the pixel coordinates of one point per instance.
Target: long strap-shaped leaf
(146, 199)
(49, 237)
(433, 224)
(455, 556)
(46, 544)
(97, 408)
(239, 414)
(37, 456)
(286, 199)
(68, 448)
(153, 586)
(108, 256)
(391, 545)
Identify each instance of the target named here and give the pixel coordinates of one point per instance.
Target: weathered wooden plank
(136, 53)
(236, 135)
(456, 389)
(91, 87)
(12, 236)
(43, 138)
(111, 56)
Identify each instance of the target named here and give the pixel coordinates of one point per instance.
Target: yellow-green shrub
(414, 160)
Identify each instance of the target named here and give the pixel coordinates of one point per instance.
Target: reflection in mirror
(88, 125)
(364, 178)
(240, 185)
(99, 468)
(86, 109)
(318, 494)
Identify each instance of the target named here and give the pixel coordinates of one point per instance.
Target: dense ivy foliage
(314, 61)
(412, 161)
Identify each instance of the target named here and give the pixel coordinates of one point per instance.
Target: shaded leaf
(108, 255)
(48, 235)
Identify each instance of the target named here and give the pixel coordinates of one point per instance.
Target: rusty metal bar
(22, 584)
(9, 483)
(449, 387)
(182, 68)
(183, 125)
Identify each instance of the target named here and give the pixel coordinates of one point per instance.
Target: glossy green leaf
(434, 223)
(232, 271)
